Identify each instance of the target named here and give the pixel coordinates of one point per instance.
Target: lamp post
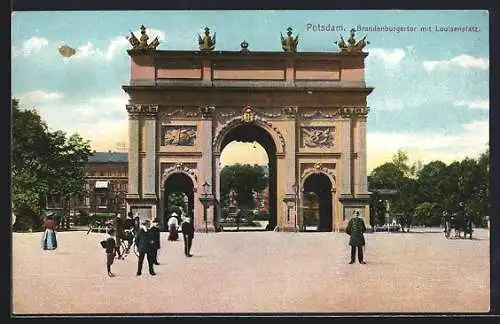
(206, 200)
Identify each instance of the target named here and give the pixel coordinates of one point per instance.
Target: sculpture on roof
(207, 43)
(289, 44)
(351, 45)
(142, 43)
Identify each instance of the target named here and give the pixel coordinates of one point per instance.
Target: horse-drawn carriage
(460, 223)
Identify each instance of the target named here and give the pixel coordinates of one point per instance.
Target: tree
(245, 179)
(176, 204)
(426, 214)
(43, 163)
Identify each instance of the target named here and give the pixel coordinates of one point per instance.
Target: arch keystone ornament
(248, 114)
(184, 107)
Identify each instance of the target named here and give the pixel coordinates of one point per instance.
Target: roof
(107, 157)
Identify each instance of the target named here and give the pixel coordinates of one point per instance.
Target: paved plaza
(263, 272)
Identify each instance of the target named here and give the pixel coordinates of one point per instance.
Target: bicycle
(126, 246)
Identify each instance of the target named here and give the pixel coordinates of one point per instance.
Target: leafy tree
(424, 191)
(245, 179)
(176, 203)
(426, 214)
(43, 163)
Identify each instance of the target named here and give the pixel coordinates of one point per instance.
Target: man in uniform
(355, 228)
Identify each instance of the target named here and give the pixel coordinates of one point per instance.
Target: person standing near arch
(188, 234)
(173, 226)
(145, 245)
(355, 228)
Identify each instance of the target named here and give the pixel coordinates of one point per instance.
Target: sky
(431, 87)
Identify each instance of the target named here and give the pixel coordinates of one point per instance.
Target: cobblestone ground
(257, 272)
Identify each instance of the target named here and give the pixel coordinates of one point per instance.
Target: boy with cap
(110, 247)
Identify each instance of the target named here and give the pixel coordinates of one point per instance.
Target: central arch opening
(258, 141)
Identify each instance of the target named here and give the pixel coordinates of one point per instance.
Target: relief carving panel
(317, 137)
(178, 135)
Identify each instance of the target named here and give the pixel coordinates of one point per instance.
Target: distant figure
(188, 235)
(137, 225)
(145, 245)
(155, 233)
(49, 236)
(355, 228)
(119, 234)
(173, 226)
(110, 247)
(129, 221)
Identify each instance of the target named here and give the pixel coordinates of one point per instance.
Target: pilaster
(346, 156)
(133, 152)
(148, 183)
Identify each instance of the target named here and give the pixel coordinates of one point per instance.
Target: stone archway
(177, 182)
(252, 132)
(183, 105)
(321, 186)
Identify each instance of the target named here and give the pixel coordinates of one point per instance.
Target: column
(149, 176)
(290, 198)
(346, 156)
(133, 152)
(206, 168)
(363, 179)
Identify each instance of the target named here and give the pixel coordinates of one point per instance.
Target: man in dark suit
(145, 245)
(188, 234)
(155, 232)
(355, 228)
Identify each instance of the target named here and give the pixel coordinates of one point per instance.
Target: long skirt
(49, 240)
(173, 235)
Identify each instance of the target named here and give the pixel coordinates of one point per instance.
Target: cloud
(102, 120)
(387, 104)
(391, 56)
(38, 96)
(429, 146)
(477, 104)
(463, 61)
(30, 46)
(116, 44)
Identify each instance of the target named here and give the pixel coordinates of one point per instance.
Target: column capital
(207, 111)
(354, 111)
(146, 110)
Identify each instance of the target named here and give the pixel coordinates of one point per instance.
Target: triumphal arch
(307, 109)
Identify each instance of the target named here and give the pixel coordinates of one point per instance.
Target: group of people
(147, 240)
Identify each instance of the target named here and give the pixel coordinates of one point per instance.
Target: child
(110, 246)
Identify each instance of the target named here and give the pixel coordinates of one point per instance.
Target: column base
(150, 196)
(287, 229)
(131, 196)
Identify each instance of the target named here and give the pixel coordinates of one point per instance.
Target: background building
(106, 186)
(107, 177)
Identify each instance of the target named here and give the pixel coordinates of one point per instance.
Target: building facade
(308, 110)
(107, 182)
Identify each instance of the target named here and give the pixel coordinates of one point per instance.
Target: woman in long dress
(49, 236)
(173, 225)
